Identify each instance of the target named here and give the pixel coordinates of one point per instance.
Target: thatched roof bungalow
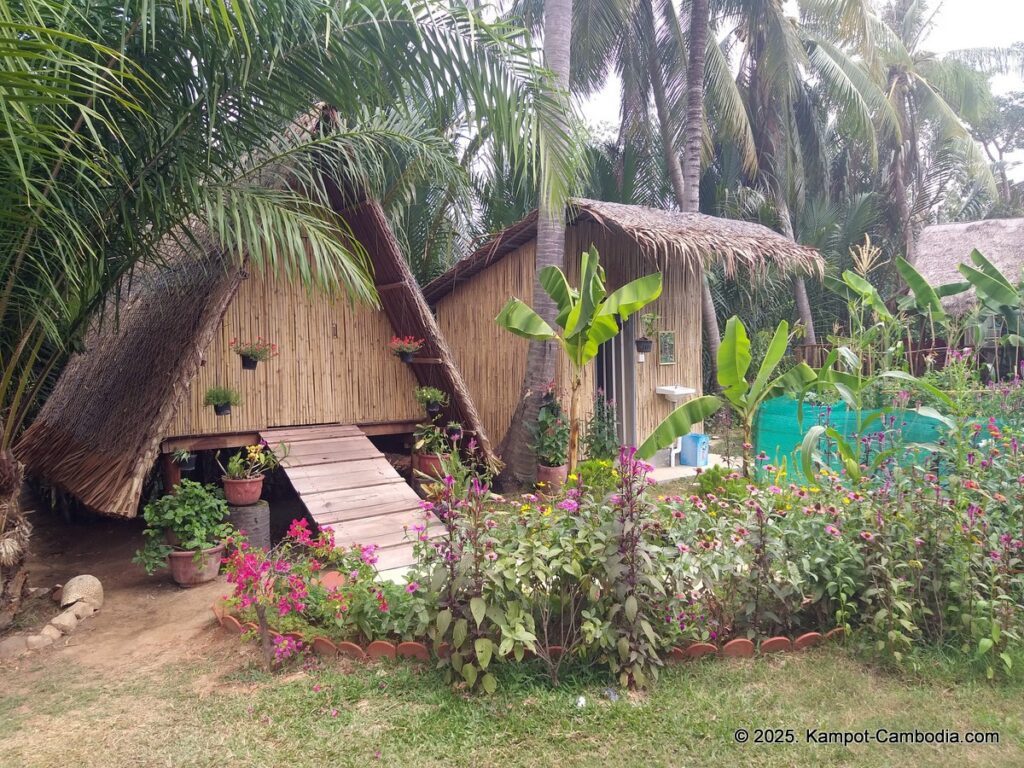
(632, 241)
(942, 248)
(136, 392)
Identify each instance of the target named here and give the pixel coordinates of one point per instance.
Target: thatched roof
(686, 236)
(942, 248)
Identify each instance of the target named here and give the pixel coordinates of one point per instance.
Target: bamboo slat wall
(333, 364)
(493, 361)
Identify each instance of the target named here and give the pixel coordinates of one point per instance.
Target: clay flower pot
(553, 478)
(242, 493)
(430, 463)
(186, 571)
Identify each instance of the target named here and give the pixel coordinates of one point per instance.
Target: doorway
(616, 374)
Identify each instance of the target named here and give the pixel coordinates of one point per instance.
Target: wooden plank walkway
(347, 484)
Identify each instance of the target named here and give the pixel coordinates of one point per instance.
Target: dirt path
(146, 621)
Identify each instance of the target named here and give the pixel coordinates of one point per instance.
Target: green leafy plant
(194, 517)
(429, 438)
(182, 456)
(588, 317)
(649, 324)
(253, 461)
(221, 396)
(551, 433)
(428, 396)
(601, 440)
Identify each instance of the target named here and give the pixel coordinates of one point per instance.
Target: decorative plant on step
(405, 347)
(432, 399)
(587, 318)
(551, 443)
(243, 475)
(185, 459)
(253, 352)
(185, 531)
(222, 398)
(649, 324)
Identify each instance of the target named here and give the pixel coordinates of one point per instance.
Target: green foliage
(253, 461)
(194, 514)
(551, 433)
(431, 396)
(601, 440)
(221, 396)
(595, 478)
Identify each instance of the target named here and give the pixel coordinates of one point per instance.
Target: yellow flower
(547, 510)
(573, 476)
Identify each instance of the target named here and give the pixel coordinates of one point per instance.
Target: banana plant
(587, 318)
(998, 297)
(743, 397)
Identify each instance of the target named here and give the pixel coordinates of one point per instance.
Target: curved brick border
(740, 647)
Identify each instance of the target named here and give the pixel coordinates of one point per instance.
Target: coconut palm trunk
(685, 178)
(15, 531)
(516, 449)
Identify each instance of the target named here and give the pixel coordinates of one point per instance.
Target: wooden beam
(209, 442)
(170, 472)
(388, 427)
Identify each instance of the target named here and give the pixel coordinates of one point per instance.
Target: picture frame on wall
(666, 348)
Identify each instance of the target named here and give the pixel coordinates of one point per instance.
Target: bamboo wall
(333, 365)
(493, 361)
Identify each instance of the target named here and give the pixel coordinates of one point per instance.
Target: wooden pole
(170, 472)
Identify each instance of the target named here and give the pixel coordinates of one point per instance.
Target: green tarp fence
(778, 430)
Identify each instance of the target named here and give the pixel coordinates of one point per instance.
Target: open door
(616, 375)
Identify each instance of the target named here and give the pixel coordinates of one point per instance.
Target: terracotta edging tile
(776, 645)
(380, 649)
(413, 650)
(807, 639)
(740, 648)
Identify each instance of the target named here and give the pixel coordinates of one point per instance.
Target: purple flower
(412, 586)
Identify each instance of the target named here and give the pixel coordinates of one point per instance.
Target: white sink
(676, 393)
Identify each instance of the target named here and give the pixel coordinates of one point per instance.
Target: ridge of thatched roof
(942, 248)
(687, 236)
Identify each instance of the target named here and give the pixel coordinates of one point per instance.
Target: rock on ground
(85, 588)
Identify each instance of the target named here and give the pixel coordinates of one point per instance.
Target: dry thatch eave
(688, 237)
(942, 248)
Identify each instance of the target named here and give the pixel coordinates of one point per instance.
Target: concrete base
(664, 474)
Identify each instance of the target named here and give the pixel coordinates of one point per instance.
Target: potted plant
(454, 431)
(185, 531)
(432, 399)
(405, 347)
(551, 444)
(430, 447)
(222, 398)
(253, 352)
(243, 476)
(649, 323)
(185, 459)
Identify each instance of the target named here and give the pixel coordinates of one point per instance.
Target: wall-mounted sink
(676, 393)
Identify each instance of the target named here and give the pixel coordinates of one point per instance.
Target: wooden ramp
(347, 484)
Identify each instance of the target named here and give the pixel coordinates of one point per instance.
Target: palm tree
(128, 123)
(516, 449)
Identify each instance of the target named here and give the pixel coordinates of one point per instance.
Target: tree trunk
(574, 421)
(15, 531)
(687, 188)
(803, 304)
(515, 449)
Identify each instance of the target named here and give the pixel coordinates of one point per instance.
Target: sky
(958, 24)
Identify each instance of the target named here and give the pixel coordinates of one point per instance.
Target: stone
(65, 622)
(13, 646)
(87, 588)
(51, 632)
(82, 610)
(36, 642)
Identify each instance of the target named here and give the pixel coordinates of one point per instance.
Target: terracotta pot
(553, 478)
(186, 571)
(249, 363)
(430, 463)
(242, 493)
(222, 409)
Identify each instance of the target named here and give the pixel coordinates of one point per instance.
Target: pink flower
(867, 535)
(412, 586)
(831, 530)
(492, 556)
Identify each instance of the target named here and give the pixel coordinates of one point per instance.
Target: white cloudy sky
(958, 24)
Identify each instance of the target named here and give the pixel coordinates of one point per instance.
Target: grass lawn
(400, 715)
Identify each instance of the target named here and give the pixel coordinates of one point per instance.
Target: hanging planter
(221, 398)
(186, 460)
(253, 352)
(454, 430)
(432, 399)
(643, 345)
(405, 347)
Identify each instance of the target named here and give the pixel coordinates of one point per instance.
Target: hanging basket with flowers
(405, 347)
(253, 352)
